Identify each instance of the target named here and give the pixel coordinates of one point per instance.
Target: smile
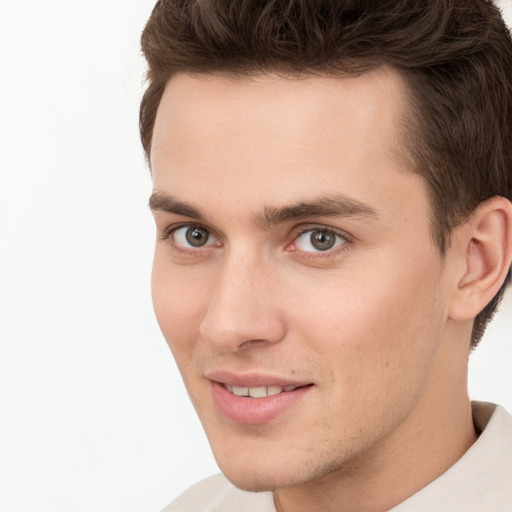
(256, 404)
(259, 391)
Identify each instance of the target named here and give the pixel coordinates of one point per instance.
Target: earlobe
(486, 245)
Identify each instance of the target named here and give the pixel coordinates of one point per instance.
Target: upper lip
(252, 379)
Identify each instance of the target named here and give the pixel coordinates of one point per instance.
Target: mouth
(261, 391)
(256, 399)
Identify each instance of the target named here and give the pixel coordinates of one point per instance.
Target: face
(295, 278)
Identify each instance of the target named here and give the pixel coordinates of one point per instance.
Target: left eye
(193, 237)
(318, 240)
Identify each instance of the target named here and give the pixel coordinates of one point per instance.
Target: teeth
(258, 391)
(274, 390)
(240, 391)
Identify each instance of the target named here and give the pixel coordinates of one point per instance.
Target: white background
(93, 414)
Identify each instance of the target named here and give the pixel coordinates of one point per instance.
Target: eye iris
(197, 236)
(322, 240)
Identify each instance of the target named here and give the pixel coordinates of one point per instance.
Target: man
(332, 185)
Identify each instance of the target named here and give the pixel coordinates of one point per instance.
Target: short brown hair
(455, 55)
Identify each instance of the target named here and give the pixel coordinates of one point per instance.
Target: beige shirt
(480, 481)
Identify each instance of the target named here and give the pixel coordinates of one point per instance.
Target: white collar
(481, 480)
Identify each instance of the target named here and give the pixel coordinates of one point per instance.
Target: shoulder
(217, 494)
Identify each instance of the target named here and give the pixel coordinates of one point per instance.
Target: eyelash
(168, 235)
(328, 253)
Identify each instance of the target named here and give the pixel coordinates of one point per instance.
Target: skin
(369, 322)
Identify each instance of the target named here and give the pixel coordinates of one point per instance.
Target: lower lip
(254, 411)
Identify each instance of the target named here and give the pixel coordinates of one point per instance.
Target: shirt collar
(480, 480)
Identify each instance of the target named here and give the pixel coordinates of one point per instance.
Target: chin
(249, 475)
(252, 483)
(255, 481)
(252, 475)
(255, 465)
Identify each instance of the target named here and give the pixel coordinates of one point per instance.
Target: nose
(245, 308)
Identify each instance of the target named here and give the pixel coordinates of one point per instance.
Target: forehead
(272, 139)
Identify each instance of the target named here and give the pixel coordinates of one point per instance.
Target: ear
(484, 246)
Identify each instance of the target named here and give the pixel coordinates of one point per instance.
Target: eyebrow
(325, 206)
(163, 202)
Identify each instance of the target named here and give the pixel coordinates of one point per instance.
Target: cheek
(375, 345)
(369, 327)
(179, 301)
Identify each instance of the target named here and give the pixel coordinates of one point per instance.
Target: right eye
(193, 237)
